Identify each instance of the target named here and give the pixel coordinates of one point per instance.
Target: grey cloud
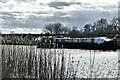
(31, 22)
(28, 1)
(109, 6)
(59, 5)
(78, 18)
(4, 1)
(11, 22)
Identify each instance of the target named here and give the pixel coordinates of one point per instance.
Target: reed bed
(28, 62)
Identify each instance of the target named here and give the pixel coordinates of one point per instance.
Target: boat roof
(96, 38)
(105, 38)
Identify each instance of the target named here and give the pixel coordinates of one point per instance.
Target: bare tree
(49, 29)
(56, 28)
(115, 24)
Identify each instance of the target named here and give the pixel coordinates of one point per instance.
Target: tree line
(102, 27)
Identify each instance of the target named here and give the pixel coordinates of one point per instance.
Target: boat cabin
(97, 40)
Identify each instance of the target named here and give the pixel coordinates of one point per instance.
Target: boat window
(79, 40)
(95, 40)
(88, 40)
(74, 40)
(66, 40)
(101, 40)
(98, 40)
(59, 40)
(69, 40)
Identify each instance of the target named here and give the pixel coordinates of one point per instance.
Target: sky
(31, 16)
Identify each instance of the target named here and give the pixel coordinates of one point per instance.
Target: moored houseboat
(100, 43)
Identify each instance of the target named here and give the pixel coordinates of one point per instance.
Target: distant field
(105, 63)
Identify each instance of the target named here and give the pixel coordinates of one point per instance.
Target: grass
(50, 64)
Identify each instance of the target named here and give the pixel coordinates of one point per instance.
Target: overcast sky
(30, 16)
